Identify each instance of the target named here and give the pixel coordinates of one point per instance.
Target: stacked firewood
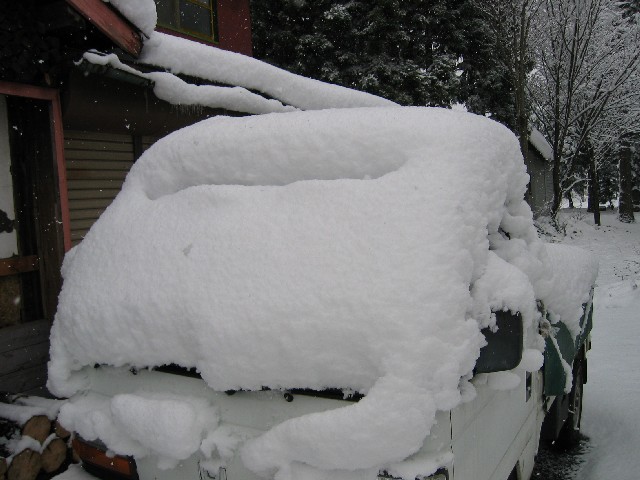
(45, 453)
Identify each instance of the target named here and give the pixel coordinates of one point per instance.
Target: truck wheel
(569, 436)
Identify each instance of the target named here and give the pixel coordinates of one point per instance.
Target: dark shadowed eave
(112, 24)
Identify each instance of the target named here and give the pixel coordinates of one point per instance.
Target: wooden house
(540, 169)
(68, 135)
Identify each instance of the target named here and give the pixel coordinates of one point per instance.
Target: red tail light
(94, 457)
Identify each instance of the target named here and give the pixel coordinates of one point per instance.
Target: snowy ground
(611, 415)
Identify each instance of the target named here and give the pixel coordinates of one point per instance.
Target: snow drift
(360, 249)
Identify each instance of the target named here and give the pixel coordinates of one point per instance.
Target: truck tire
(569, 436)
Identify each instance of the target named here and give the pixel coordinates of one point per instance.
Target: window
(193, 17)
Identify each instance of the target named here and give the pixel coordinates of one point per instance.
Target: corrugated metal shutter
(97, 164)
(148, 141)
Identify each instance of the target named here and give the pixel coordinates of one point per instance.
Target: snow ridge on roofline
(284, 91)
(540, 144)
(142, 13)
(181, 56)
(174, 90)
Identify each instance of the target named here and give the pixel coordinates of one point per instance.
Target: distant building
(540, 169)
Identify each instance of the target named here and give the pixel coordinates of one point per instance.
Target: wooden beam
(24, 352)
(24, 358)
(26, 380)
(110, 23)
(61, 169)
(42, 93)
(16, 265)
(24, 335)
(27, 91)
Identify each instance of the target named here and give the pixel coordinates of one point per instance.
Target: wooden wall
(24, 351)
(97, 164)
(31, 278)
(541, 183)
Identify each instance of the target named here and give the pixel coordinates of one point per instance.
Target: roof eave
(110, 23)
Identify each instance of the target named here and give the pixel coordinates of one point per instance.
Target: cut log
(3, 467)
(54, 455)
(60, 431)
(25, 466)
(37, 427)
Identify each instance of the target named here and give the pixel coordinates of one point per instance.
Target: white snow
(532, 360)
(503, 380)
(243, 84)
(540, 144)
(23, 408)
(17, 445)
(611, 412)
(20, 411)
(181, 56)
(184, 424)
(74, 472)
(142, 13)
(566, 303)
(416, 466)
(167, 426)
(334, 248)
(172, 89)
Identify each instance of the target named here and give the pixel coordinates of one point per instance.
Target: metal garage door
(97, 164)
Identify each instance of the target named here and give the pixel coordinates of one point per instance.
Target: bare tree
(587, 56)
(510, 21)
(625, 211)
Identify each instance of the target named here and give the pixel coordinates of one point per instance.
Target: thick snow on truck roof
(361, 249)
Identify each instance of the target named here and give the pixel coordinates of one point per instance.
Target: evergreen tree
(489, 79)
(625, 210)
(407, 51)
(635, 172)
(631, 7)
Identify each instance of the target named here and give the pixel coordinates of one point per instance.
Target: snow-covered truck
(338, 294)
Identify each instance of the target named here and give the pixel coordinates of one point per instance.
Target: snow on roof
(274, 89)
(321, 249)
(142, 13)
(172, 89)
(540, 144)
(182, 56)
(247, 85)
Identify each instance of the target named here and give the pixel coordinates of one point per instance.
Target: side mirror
(504, 346)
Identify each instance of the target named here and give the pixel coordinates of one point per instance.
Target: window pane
(195, 18)
(167, 10)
